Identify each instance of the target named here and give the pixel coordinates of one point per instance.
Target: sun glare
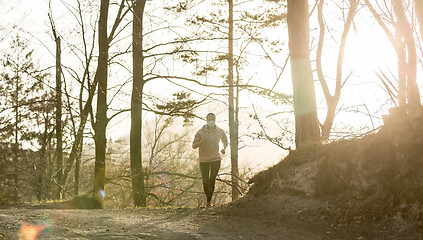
(368, 51)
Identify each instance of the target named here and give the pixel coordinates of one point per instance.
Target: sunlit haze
(367, 52)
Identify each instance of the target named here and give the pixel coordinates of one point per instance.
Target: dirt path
(134, 224)
(265, 218)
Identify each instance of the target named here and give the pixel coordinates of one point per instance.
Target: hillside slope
(376, 178)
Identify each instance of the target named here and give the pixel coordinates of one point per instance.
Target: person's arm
(197, 141)
(224, 141)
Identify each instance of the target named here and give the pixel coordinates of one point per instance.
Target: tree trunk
(306, 122)
(101, 116)
(413, 94)
(42, 166)
(49, 172)
(77, 169)
(419, 13)
(237, 124)
(233, 135)
(16, 144)
(137, 174)
(402, 66)
(59, 149)
(330, 116)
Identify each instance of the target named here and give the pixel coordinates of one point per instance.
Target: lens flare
(29, 231)
(101, 193)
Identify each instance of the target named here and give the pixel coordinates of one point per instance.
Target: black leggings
(209, 172)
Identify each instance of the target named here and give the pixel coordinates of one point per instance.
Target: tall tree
(136, 106)
(233, 133)
(101, 116)
(88, 84)
(306, 122)
(21, 83)
(406, 32)
(16, 103)
(403, 42)
(332, 100)
(59, 145)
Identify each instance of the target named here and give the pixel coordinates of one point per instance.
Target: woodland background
(104, 96)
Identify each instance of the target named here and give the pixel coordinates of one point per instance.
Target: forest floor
(264, 217)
